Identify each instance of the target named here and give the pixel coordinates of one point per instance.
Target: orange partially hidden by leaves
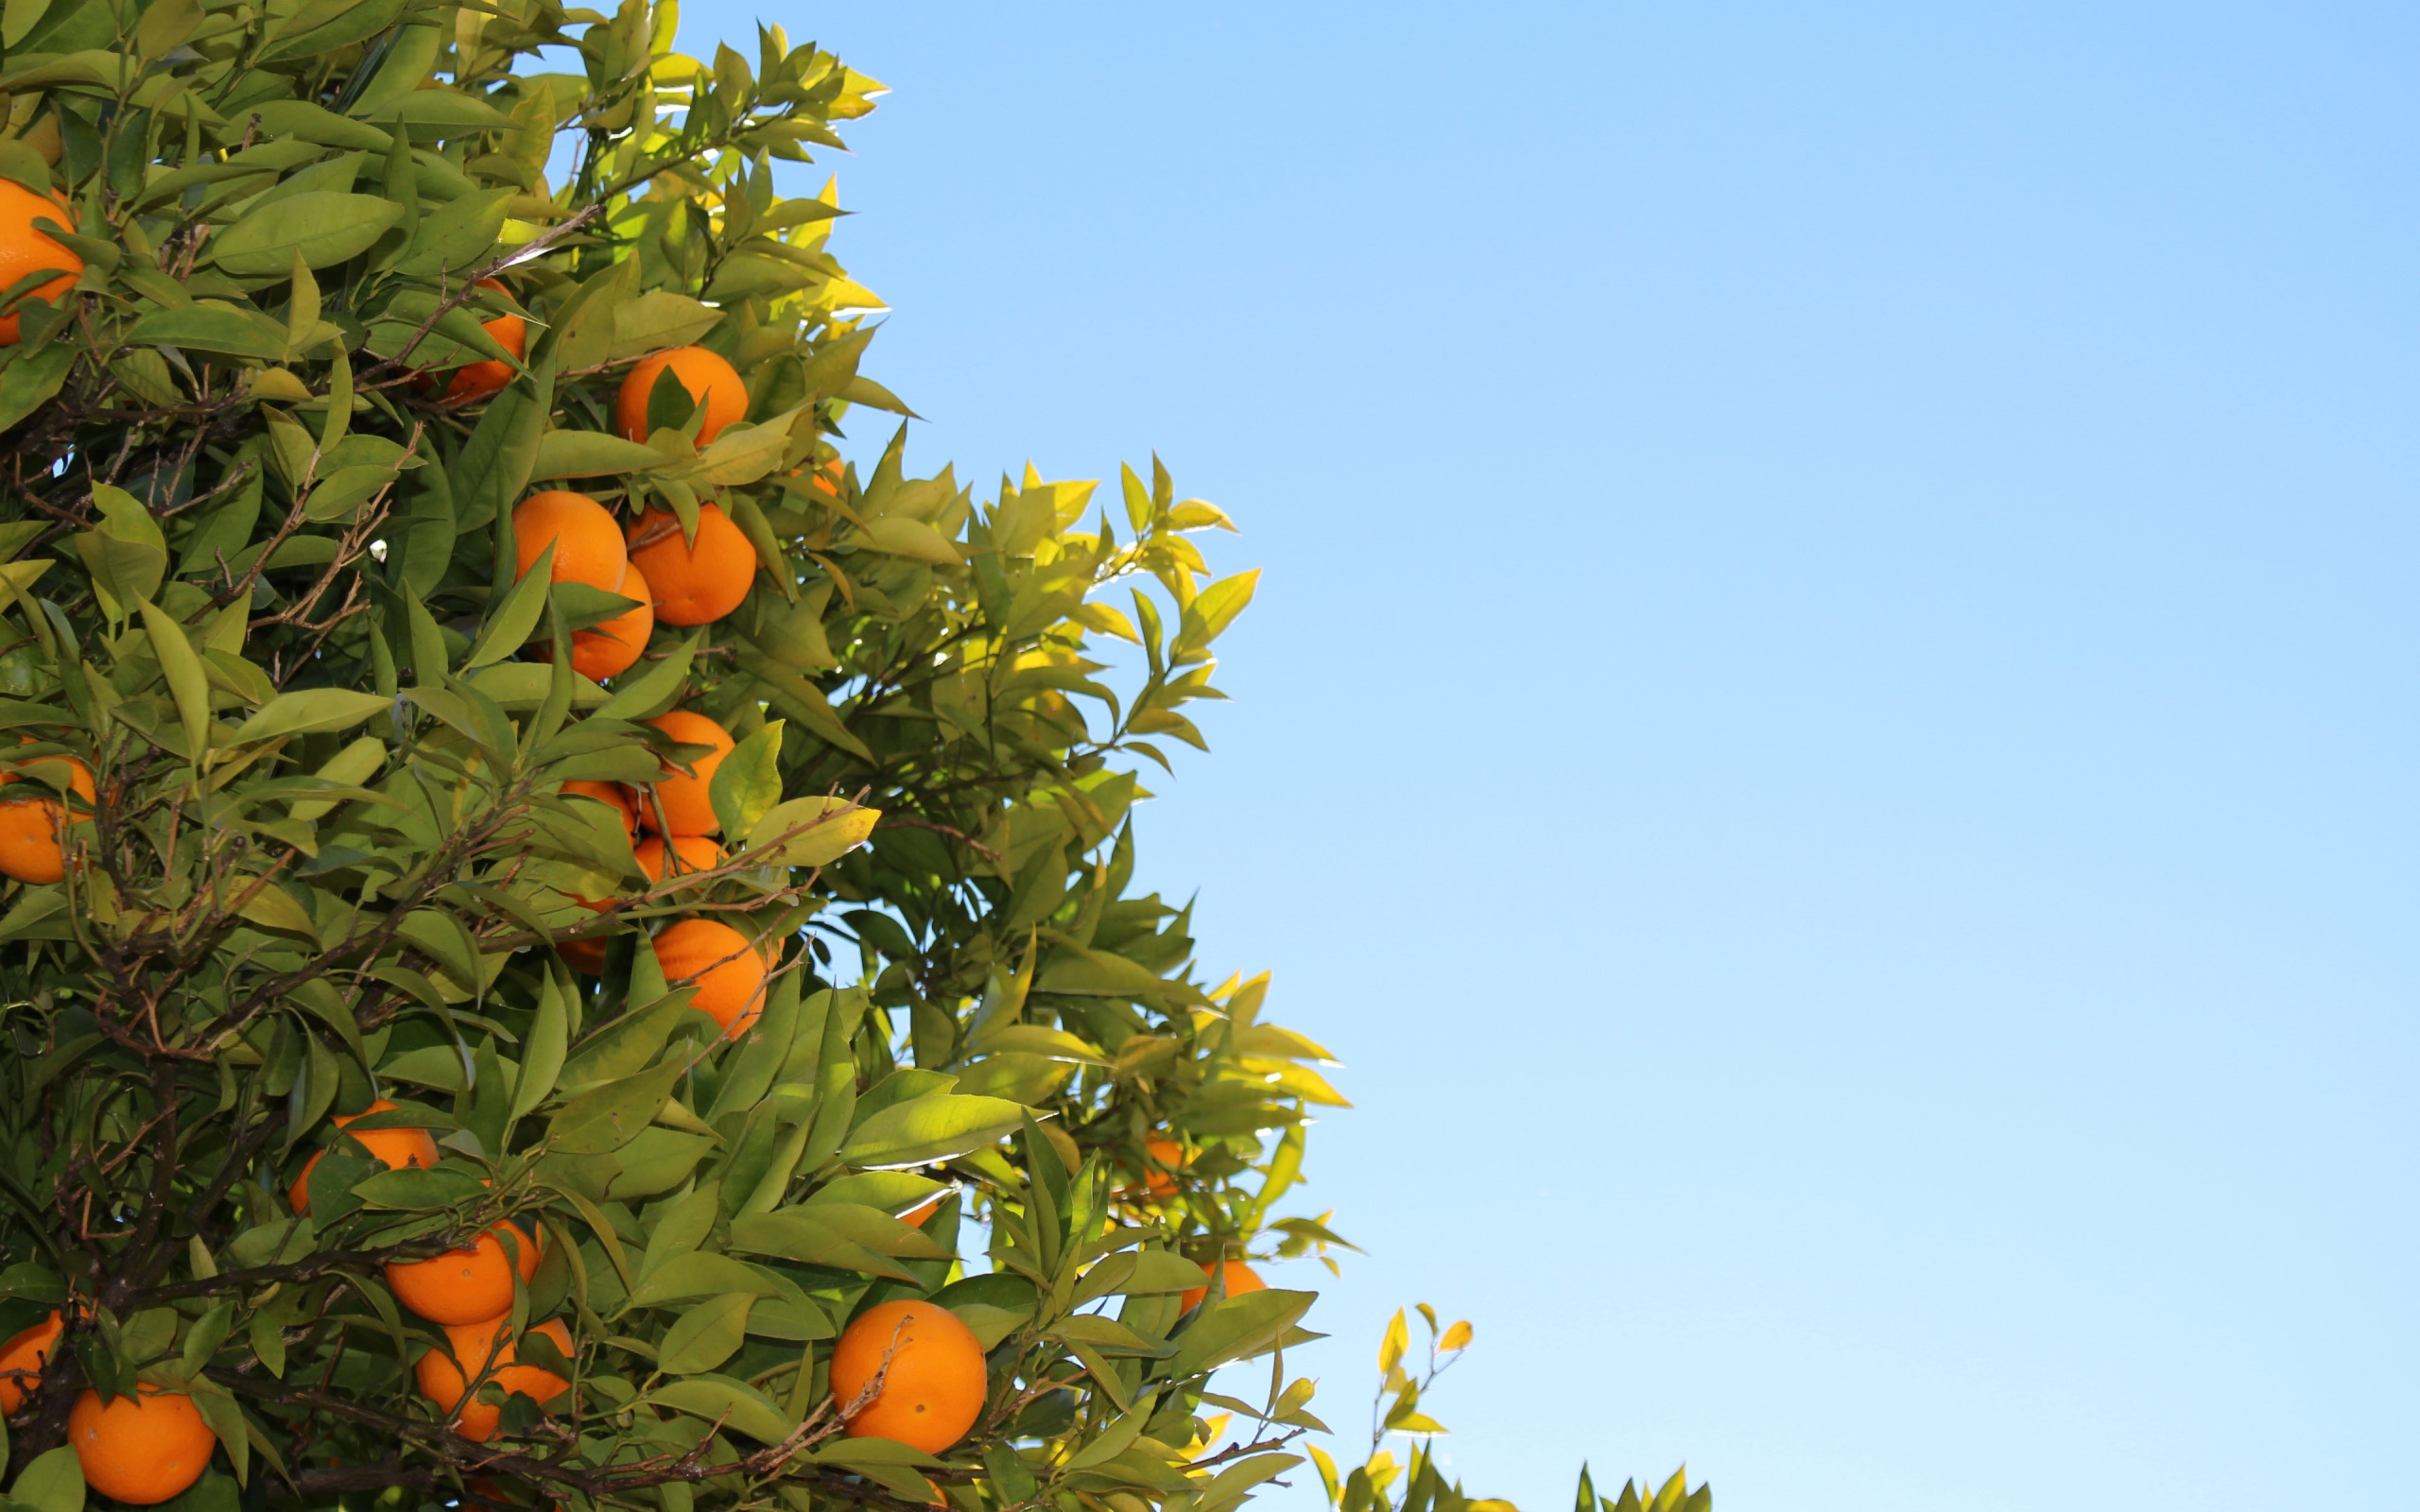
(686, 802)
(695, 584)
(728, 970)
(714, 386)
(140, 1450)
(31, 826)
(21, 1362)
(1240, 1279)
(931, 1370)
(916, 1217)
(609, 794)
(588, 545)
(396, 1148)
(445, 1380)
(471, 1285)
(24, 249)
(1166, 1157)
(695, 853)
(586, 957)
(611, 648)
(479, 380)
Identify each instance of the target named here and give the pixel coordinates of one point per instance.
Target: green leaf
(605, 1118)
(456, 237)
(32, 381)
(748, 781)
(655, 690)
(541, 1052)
(205, 328)
(53, 1483)
(656, 320)
(508, 625)
(926, 1129)
(310, 712)
(590, 453)
(127, 555)
(706, 1335)
(411, 1190)
(701, 1273)
(733, 1402)
(322, 227)
(186, 683)
(825, 830)
(307, 121)
(1236, 1329)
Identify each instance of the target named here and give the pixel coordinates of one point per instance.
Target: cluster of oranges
(466, 1292)
(678, 581)
(1163, 1158)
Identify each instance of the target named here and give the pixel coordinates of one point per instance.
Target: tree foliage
(259, 578)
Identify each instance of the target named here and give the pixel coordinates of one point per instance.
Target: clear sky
(1829, 729)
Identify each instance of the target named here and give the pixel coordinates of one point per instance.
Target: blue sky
(1829, 730)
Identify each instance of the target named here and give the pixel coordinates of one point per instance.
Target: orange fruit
(915, 1216)
(24, 249)
(394, 1147)
(21, 1362)
(696, 852)
(143, 1449)
(30, 826)
(609, 794)
(1167, 1157)
(588, 545)
(933, 1379)
(827, 475)
(478, 380)
(694, 584)
(713, 385)
(1240, 1279)
(446, 1380)
(608, 649)
(729, 972)
(687, 804)
(465, 1285)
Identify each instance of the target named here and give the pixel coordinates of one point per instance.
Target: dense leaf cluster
(258, 578)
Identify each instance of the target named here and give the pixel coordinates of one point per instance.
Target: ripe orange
(713, 385)
(933, 1378)
(695, 853)
(915, 1216)
(394, 1147)
(694, 584)
(1168, 1158)
(729, 971)
(827, 477)
(612, 796)
(1240, 1279)
(143, 1449)
(24, 249)
(465, 1285)
(608, 649)
(687, 804)
(21, 1362)
(31, 827)
(478, 380)
(445, 1380)
(588, 545)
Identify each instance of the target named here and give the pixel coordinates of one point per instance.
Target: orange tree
(538, 900)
